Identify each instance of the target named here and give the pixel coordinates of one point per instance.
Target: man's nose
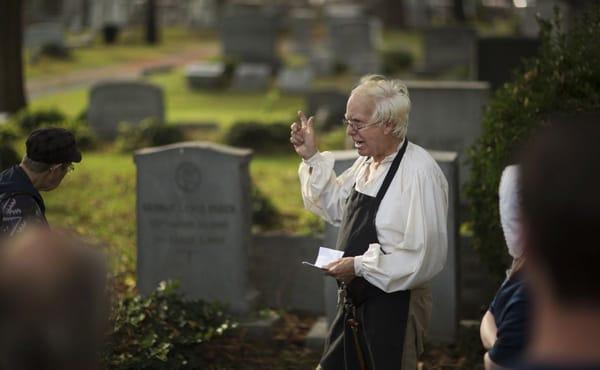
(350, 130)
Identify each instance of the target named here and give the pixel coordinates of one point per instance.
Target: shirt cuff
(316, 158)
(358, 265)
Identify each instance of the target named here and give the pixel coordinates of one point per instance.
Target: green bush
(162, 331)
(265, 215)
(563, 78)
(262, 138)
(8, 155)
(148, 133)
(86, 139)
(28, 120)
(396, 60)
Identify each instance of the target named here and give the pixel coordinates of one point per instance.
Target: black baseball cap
(52, 145)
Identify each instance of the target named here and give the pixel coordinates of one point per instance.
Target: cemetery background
(98, 201)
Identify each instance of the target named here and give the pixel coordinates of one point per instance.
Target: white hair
(392, 103)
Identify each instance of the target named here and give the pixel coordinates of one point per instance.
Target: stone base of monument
(322, 62)
(261, 327)
(158, 69)
(205, 75)
(251, 77)
(295, 80)
(315, 339)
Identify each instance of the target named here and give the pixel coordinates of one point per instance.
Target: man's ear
(388, 128)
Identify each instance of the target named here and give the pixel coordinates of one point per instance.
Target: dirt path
(48, 85)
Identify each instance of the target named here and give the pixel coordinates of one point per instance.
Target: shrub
(23, 123)
(8, 155)
(86, 139)
(149, 132)
(28, 120)
(563, 78)
(162, 330)
(56, 51)
(262, 138)
(264, 213)
(396, 60)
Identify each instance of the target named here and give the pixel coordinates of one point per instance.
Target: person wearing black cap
(51, 153)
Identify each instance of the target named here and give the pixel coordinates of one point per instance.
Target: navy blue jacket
(510, 308)
(20, 203)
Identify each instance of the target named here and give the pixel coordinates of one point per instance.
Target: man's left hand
(342, 269)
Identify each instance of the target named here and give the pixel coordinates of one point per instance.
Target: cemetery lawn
(97, 200)
(129, 48)
(223, 107)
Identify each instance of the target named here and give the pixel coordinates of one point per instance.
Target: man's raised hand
(302, 136)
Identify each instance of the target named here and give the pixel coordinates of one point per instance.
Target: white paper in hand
(325, 257)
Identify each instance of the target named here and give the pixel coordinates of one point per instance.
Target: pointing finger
(302, 118)
(311, 122)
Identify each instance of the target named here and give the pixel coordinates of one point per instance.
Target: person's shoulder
(419, 161)
(19, 203)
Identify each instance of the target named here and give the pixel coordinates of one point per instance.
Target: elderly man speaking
(391, 206)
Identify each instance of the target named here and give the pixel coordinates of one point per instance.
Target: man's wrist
(358, 265)
(312, 158)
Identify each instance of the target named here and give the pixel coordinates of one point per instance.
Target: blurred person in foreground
(391, 206)
(504, 326)
(50, 155)
(560, 187)
(53, 305)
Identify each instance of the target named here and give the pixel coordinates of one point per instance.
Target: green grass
(184, 105)
(129, 48)
(98, 202)
(225, 106)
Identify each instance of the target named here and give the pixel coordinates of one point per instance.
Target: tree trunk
(459, 11)
(12, 92)
(151, 23)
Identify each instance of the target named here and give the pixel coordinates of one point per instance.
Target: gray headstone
(280, 277)
(354, 41)
(498, 57)
(39, 35)
(528, 25)
(417, 14)
(114, 102)
(391, 12)
(193, 221)
(445, 286)
(249, 35)
(344, 10)
(301, 23)
(322, 61)
(328, 107)
(205, 75)
(202, 13)
(295, 80)
(251, 77)
(446, 116)
(448, 48)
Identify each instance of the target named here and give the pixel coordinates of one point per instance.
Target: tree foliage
(563, 78)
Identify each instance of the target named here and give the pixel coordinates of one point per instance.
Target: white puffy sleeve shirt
(411, 220)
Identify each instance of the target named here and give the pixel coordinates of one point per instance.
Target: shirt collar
(390, 157)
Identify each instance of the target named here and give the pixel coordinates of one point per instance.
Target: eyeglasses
(68, 166)
(357, 127)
